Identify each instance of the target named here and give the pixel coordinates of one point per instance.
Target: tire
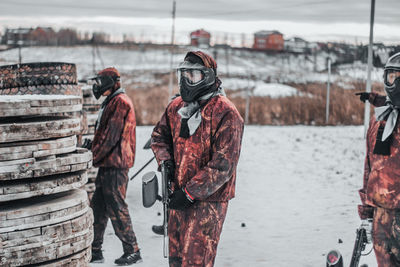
(36, 74)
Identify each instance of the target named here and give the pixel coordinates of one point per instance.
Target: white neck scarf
(381, 113)
(192, 110)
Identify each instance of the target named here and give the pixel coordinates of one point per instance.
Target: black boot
(158, 229)
(97, 256)
(129, 259)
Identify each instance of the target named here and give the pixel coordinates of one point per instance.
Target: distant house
(20, 36)
(200, 38)
(297, 45)
(30, 36)
(269, 41)
(43, 36)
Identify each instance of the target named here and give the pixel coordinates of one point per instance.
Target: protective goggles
(390, 76)
(104, 81)
(192, 76)
(192, 72)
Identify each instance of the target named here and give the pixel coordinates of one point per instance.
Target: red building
(43, 36)
(268, 40)
(200, 38)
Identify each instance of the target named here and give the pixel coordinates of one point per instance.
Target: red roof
(200, 33)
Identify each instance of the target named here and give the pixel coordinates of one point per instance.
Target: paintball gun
(363, 237)
(150, 195)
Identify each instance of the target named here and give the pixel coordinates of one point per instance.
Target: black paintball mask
(195, 80)
(391, 77)
(102, 83)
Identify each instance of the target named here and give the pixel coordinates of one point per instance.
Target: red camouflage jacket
(376, 99)
(381, 187)
(115, 140)
(205, 163)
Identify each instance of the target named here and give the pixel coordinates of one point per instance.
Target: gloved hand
(367, 225)
(180, 200)
(365, 212)
(363, 96)
(87, 143)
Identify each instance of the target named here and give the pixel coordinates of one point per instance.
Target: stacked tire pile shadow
(45, 218)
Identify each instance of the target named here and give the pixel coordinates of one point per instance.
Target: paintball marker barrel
(165, 200)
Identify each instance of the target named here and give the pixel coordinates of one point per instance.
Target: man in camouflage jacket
(198, 139)
(380, 194)
(113, 151)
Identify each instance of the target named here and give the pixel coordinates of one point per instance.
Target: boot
(158, 229)
(97, 256)
(129, 259)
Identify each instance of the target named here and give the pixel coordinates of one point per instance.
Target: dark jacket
(115, 139)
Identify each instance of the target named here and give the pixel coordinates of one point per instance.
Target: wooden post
(171, 72)
(328, 90)
(368, 88)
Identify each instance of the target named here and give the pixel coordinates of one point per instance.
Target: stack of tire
(43, 78)
(90, 110)
(45, 218)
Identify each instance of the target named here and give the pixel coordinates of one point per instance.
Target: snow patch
(274, 90)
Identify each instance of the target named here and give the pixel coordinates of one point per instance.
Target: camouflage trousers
(386, 237)
(109, 202)
(194, 234)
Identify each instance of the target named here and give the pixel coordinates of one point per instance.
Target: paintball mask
(195, 80)
(391, 77)
(102, 83)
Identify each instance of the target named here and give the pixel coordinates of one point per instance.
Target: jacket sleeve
(226, 145)
(365, 211)
(376, 99)
(114, 125)
(161, 140)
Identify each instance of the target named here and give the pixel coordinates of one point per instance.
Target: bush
(307, 108)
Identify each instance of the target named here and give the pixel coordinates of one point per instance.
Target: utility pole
(19, 54)
(227, 55)
(246, 113)
(368, 89)
(93, 57)
(171, 73)
(328, 90)
(314, 51)
(19, 48)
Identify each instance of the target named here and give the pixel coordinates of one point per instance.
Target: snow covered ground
(296, 193)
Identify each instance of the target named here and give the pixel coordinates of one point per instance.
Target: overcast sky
(336, 20)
